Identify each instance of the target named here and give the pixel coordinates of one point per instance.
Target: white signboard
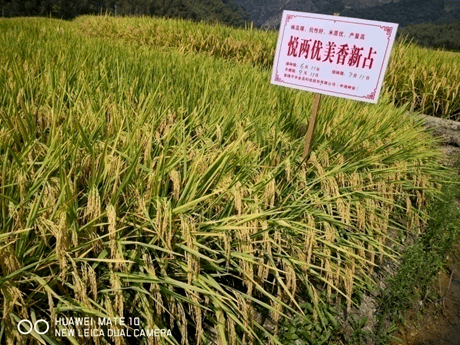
(332, 55)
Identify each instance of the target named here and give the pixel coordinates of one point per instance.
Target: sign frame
(386, 31)
(293, 43)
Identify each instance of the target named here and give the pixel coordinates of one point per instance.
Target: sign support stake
(311, 125)
(312, 122)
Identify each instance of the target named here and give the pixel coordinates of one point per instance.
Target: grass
(168, 187)
(421, 262)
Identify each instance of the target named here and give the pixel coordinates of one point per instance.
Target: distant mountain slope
(268, 12)
(439, 35)
(223, 11)
(406, 12)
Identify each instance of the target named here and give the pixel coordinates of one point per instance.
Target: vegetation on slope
(222, 11)
(422, 262)
(445, 36)
(406, 12)
(169, 187)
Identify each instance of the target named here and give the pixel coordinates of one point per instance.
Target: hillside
(267, 13)
(440, 34)
(406, 12)
(223, 11)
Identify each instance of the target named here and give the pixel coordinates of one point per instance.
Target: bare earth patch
(437, 323)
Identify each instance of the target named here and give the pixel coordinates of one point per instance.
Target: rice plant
(142, 183)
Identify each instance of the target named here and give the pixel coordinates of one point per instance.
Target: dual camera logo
(26, 326)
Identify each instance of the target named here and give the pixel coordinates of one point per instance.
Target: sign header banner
(332, 55)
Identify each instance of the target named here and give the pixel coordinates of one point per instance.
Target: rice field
(426, 80)
(169, 188)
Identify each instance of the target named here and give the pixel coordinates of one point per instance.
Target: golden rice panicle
(61, 233)
(343, 206)
(288, 170)
(246, 309)
(302, 178)
(50, 197)
(238, 196)
(193, 263)
(14, 214)
(113, 165)
(149, 313)
(277, 308)
(112, 228)
(338, 272)
(12, 301)
(197, 314)
(80, 287)
(149, 190)
(270, 193)
(23, 182)
(154, 286)
(115, 283)
(8, 261)
(183, 323)
(248, 268)
(52, 310)
(291, 279)
(12, 336)
(42, 225)
(360, 216)
(176, 181)
(312, 160)
(113, 314)
(92, 281)
(93, 207)
(360, 249)
(140, 201)
(232, 337)
(356, 181)
(348, 282)
(218, 132)
(172, 307)
(221, 338)
(371, 207)
(228, 239)
(329, 236)
(310, 243)
(163, 222)
(263, 270)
